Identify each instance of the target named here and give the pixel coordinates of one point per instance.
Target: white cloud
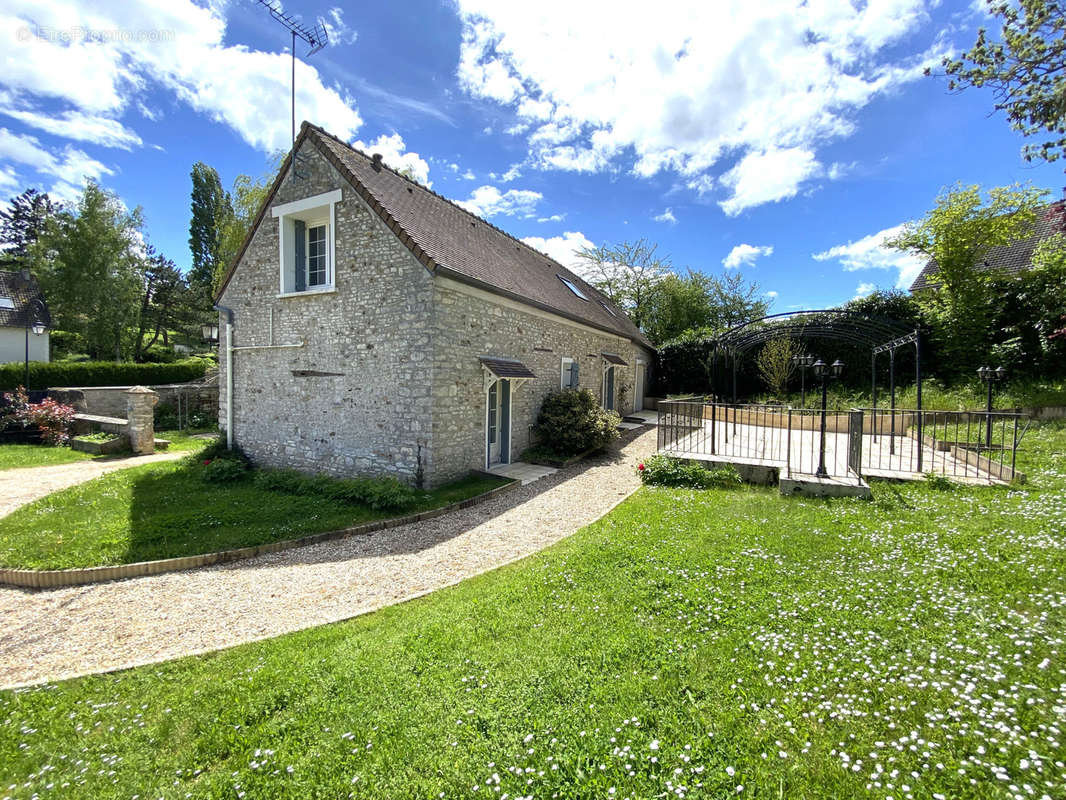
(394, 153)
(767, 176)
(512, 173)
(79, 125)
(177, 45)
(338, 30)
(745, 255)
(468, 175)
(561, 248)
(9, 180)
(870, 253)
(69, 166)
(863, 289)
(666, 216)
(693, 83)
(552, 218)
(771, 294)
(488, 201)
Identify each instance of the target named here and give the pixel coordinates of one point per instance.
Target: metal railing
(901, 443)
(745, 433)
(956, 444)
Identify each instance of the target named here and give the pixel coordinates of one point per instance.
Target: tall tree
(247, 197)
(679, 303)
(735, 300)
(1026, 70)
(957, 235)
(164, 289)
(21, 225)
(90, 261)
(211, 207)
(697, 303)
(627, 273)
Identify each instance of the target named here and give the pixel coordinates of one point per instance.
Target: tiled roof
(20, 291)
(457, 244)
(1011, 258)
(507, 367)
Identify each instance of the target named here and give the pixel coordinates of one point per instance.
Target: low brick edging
(56, 578)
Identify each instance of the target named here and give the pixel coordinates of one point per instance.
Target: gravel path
(62, 633)
(26, 484)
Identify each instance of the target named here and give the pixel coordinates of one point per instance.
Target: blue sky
(782, 140)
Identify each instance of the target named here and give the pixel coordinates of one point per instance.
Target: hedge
(99, 373)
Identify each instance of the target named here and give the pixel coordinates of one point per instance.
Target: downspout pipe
(229, 372)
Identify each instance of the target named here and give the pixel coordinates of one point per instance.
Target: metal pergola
(880, 334)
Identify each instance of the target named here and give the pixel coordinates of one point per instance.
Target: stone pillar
(140, 414)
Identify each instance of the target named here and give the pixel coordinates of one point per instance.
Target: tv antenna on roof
(316, 37)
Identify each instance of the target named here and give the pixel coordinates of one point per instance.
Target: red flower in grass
(206, 462)
(640, 466)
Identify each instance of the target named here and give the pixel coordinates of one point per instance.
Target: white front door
(638, 389)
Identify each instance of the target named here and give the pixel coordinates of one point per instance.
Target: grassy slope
(15, 456)
(708, 640)
(164, 510)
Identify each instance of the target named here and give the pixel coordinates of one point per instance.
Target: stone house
(374, 327)
(1008, 259)
(24, 318)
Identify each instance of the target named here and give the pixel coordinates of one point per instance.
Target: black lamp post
(803, 362)
(35, 315)
(824, 372)
(990, 376)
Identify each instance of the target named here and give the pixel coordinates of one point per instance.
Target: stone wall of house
(468, 324)
(370, 412)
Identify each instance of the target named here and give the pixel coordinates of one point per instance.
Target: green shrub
(223, 470)
(217, 450)
(380, 494)
(572, 422)
(101, 373)
(940, 483)
(166, 418)
(159, 354)
(660, 470)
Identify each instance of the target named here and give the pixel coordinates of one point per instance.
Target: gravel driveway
(61, 633)
(26, 484)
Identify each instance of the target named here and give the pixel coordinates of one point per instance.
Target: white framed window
(569, 377)
(317, 251)
(307, 243)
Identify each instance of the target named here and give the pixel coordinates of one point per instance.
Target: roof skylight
(6, 302)
(570, 285)
(608, 309)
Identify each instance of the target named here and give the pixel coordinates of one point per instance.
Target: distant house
(21, 305)
(379, 328)
(1008, 259)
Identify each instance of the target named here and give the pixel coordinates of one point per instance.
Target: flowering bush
(52, 419)
(660, 470)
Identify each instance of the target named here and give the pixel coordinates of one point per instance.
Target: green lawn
(186, 440)
(164, 510)
(717, 643)
(14, 456)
